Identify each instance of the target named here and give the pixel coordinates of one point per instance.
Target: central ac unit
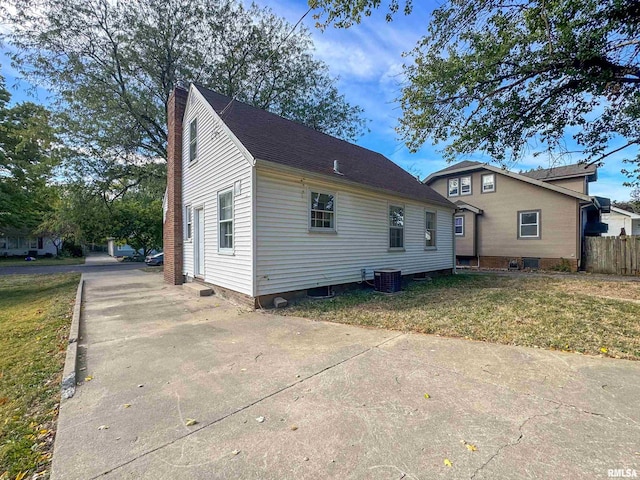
(387, 280)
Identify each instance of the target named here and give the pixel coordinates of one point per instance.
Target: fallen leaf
(88, 379)
(4, 400)
(103, 427)
(604, 350)
(126, 405)
(294, 427)
(190, 422)
(471, 447)
(260, 419)
(235, 452)
(448, 463)
(21, 475)
(426, 395)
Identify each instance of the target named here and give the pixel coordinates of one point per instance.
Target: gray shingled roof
(564, 171)
(462, 164)
(275, 139)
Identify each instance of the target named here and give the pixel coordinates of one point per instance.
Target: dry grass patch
(555, 313)
(35, 315)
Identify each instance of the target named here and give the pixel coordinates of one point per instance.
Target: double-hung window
(322, 211)
(454, 188)
(33, 242)
(396, 226)
(529, 224)
(465, 185)
(430, 229)
(459, 226)
(225, 220)
(488, 183)
(188, 222)
(193, 140)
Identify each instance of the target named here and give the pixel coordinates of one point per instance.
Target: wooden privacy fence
(617, 255)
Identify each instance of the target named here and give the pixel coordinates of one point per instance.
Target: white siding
(220, 164)
(617, 221)
(289, 257)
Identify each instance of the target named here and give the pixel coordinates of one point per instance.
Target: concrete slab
(197, 289)
(337, 401)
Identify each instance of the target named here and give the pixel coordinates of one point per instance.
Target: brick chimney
(172, 231)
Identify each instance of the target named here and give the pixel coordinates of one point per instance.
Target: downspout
(453, 234)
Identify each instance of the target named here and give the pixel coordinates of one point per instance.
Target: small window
(193, 140)
(430, 229)
(33, 243)
(188, 222)
(465, 186)
(453, 187)
(322, 211)
(3, 243)
(529, 224)
(225, 220)
(459, 226)
(396, 226)
(488, 183)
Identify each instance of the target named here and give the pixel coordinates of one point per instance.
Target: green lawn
(35, 315)
(579, 314)
(40, 262)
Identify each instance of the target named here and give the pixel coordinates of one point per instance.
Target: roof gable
(472, 166)
(271, 138)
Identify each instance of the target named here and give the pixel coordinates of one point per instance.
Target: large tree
(29, 155)
(506, 77)
(113, 64)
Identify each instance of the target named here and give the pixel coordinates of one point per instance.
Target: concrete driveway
(286, 398)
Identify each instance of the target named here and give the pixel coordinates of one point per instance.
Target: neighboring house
(22, 243)
(259, 205)
(538, 219)
(619, 219)
(116, 250)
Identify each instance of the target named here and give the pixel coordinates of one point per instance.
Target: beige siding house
(535, 219)
(258, 206)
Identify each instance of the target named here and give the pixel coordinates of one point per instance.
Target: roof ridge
(280, 117)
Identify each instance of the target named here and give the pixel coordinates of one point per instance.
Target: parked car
(153, 260)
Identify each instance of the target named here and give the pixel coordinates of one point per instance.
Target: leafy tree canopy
(112, 66)
(29, 156)
(506, 77)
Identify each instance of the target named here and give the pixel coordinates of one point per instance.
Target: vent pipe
(336, 167)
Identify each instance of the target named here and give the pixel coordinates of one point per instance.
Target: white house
(619, 219)
(259, 205)
(21, 243)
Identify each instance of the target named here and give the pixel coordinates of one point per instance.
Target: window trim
(193, 140)
(188, 223)
(321, 191)
(538, 224)
(389, 227)
(470, 192)
(454, 225)
(227, 250)
(435, 230)
(449, 194)
(482, 190)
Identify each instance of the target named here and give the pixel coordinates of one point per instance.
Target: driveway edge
(69, 373)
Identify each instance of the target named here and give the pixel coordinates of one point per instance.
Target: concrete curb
(69, 375)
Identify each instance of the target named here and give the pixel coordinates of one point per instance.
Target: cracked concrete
(337, 401)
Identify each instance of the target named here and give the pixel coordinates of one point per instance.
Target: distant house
(259, 205)
(534, 219)
(619, 219)
(22, 243)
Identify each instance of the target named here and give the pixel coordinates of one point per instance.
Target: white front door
(198, 245)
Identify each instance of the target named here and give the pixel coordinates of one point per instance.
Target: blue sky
(368, 60)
